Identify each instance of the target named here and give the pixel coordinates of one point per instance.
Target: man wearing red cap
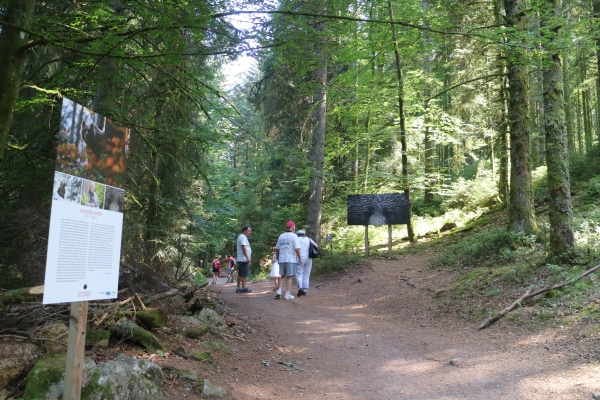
(288, 255)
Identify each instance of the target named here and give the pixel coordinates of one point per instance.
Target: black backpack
(313, 251)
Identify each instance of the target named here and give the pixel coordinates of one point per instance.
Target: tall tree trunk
(585, 105)
(521, 211)
(315, 189)
(503, 157)
(15, 15)
(503, 183)
(579, 124)
(596, 5)
(429, 144)
(568, 108)
(534, 109)
(367, 153)
(559, 185)
(403, 141)
(587, 121)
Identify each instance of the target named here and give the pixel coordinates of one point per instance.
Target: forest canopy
(465, 107)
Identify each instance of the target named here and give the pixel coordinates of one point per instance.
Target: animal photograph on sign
(378, 209)
(91, 146)
(114, 199)
(67, 187)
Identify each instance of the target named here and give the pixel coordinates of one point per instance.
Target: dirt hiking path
(379, 332)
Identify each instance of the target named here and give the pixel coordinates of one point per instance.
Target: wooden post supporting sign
(389, 241)
(367, 248)
(75, 350)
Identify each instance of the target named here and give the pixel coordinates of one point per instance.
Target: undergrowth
(335, 263)
(485, 248)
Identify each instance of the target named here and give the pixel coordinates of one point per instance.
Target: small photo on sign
(93, 194)
(67, 188)
(114, 199)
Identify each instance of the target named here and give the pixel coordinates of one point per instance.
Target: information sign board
(86, 222)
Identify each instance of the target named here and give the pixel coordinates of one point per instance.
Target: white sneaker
(288, 296)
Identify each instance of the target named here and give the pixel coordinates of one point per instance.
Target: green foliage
(480, 192)
(518, 273)
(591, 191)
(433, 209)
(586, 223)
(335, 263)
(584, 166)
(201, 355)
(199, 277)
(485, 248)
(146, 339)
(539, 181)
(43, 375)
(151, 320)
(94, 337)
(260, 273)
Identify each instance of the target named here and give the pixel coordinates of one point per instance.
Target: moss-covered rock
(200, 355)
(212, 319)
(196, 333)
(186, 375)
(127, 329)
(151, 319)
(46, 380)
(16, 356)
(97, 338)
(124, 379)
(212, 391)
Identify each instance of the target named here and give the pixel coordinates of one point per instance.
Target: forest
(483, 115)
(477, 110)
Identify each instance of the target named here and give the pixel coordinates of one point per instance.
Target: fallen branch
(114, 305)
(160, 296)
(33, 339)
(527, 295)
(231, 337)
(491, 320)
(21, 295)
(323, 284)
(137, 296)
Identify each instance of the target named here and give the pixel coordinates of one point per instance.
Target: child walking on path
(216, 270)
(230, 268)
(275, 270)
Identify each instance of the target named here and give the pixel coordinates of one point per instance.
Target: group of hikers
(291, 258)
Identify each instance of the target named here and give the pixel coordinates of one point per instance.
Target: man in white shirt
(244, 257)
(288, 255)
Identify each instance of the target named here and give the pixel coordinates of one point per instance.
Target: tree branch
(463, 83)
(527, 295)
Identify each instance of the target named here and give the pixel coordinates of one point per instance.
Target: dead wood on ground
(528, 295)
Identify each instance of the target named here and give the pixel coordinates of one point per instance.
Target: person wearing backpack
(304, 269)
(216, 270)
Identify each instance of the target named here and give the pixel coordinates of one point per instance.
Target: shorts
(243, 269)
(287, 268)
(216, 270)
(230, 271)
